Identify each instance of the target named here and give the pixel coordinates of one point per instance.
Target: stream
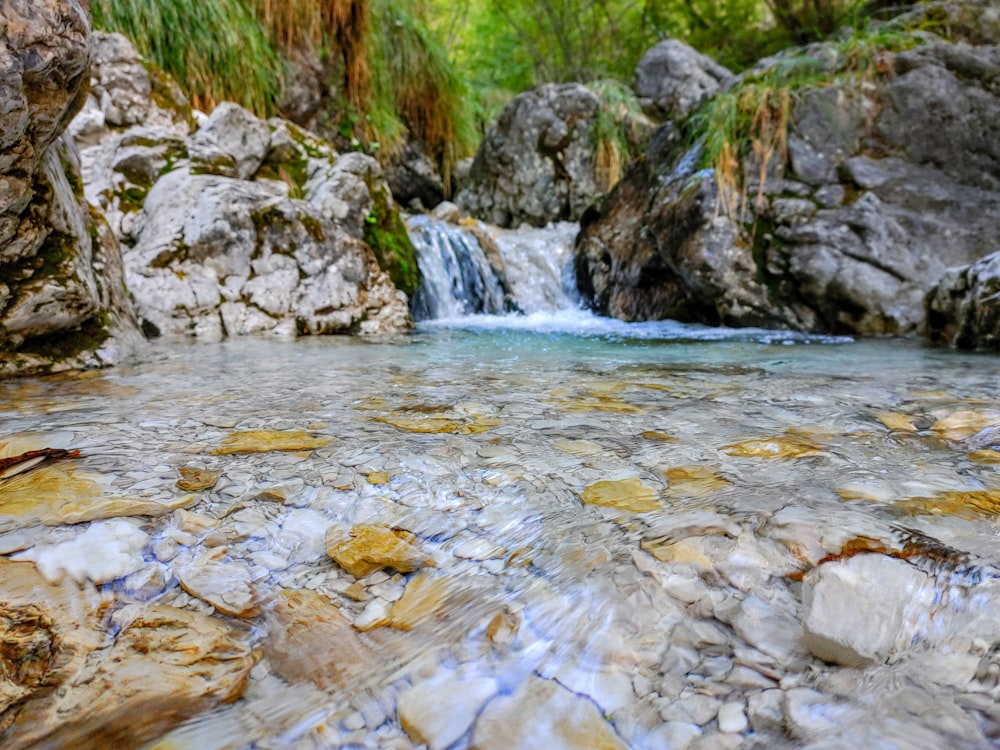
(540, 529)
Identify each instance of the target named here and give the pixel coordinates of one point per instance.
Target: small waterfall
(492, 271)
(458, 279)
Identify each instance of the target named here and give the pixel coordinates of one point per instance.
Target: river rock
(885, 185)
(673, 78)
(439, 710)
(538, 163)
(363, 549)
(62, 302)
(862, 610)
(544, 715)
(963, 308)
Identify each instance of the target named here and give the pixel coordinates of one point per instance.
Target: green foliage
(415, 86)
(386, 235)
(617, 137)
(217, 50)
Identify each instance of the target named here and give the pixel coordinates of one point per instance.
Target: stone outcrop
(62, 300)
(538, 163)
(963, 309)
(888, 181)
(672, 79)
(239, 226)
(414, 178)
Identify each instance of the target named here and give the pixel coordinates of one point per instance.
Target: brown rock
(310, 639)
(622, 494)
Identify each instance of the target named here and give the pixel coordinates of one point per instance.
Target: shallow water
(615, 533)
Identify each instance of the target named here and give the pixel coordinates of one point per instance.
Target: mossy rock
(386, 235)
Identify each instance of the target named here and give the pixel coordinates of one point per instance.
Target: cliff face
(63, 303)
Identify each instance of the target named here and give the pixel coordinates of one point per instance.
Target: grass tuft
(616, 138)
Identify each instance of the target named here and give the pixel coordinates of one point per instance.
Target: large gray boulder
(963, 308)
(538, 163)
(673, 78)
(886, 184)
(233, 225)
(62, 300)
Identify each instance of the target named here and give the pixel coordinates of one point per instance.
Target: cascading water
(459, 279)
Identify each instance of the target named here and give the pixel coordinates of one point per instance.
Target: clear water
(531, 583)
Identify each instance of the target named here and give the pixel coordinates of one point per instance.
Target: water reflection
(506, 539)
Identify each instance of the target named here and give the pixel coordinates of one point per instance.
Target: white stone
(732, 718)
(696, 709)
(672, 735)
(438, 711)
(106, 551)
(764, 710)
(862, 610)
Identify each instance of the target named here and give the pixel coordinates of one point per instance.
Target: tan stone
(963, 423)
(578, 447)
(989, 456)
(973, 505)
(225, 584)
(193, 479)
(623, 494)
(694, 481)
(543, 715)
(439, 710)
(421, 424)
(896, 421)
(264, 441)
(311, 640)
(425, 600)
(658, 437)
(74, 685)
(63, 494)
(780, 447)
(686, 551)
(367, 548)
(378, 478)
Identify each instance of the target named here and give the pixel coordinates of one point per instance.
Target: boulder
(242, 225)
(885, 183)
(413, 176)
(672, 79)
(963, 308)
(62, 301)
(539, 162)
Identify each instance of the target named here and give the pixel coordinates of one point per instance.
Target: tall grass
(415, 80)
(616, 138)
(395, 76)
(748, 124)
(216, 49)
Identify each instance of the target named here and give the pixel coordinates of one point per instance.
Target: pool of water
(493, 537)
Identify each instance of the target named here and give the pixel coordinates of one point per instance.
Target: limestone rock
(439, 711)
(232, 142)
(538, 163)
(623, 494)
(963, 308)
(673, 78)
(543, 715)
(104, 552)
(363, 549)
(862, 610)
(264, 441)
(62, 303)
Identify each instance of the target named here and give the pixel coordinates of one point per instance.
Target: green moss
(313, 226)
(68, 344)
(293, 172)
(130, 199)
(386, 236)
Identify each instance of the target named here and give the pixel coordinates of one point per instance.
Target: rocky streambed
(694, 538)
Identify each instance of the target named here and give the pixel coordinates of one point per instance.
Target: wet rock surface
(62, 303)
(963, 309)
(887, 182)
(774, 546)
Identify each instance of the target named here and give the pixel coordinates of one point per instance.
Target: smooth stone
(439, 711)
(622, 494)
(862, 610)
(543, 715)
(696, 709)
(264, 441)
(732, 718)
(765, 710)
(226, 584)
(672, 735)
